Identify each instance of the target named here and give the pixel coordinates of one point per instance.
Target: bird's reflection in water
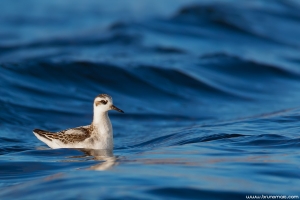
(107, 158)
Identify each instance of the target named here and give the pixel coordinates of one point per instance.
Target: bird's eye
(103, 102)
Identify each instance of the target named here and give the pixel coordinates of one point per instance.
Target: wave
(182, 138)
(111, 38)
(241, 18)
(160, 91)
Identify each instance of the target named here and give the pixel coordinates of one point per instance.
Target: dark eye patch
(103, 102)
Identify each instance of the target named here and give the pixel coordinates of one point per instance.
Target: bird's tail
(41, 133)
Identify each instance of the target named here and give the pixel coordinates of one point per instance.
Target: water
(210, 91)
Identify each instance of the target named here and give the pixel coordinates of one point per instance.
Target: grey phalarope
(98, 135)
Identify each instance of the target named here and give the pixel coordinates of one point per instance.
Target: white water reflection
(107, 158)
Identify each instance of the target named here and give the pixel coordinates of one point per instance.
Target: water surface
(210, 91)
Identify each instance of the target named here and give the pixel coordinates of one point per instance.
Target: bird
(97, 135)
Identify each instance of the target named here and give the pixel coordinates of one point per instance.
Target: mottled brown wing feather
(42, 133)
(81, 134)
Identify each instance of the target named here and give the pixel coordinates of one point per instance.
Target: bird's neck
(102, 124)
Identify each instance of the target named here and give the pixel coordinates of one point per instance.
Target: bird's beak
(117, 109)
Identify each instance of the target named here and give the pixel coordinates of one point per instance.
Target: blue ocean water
(210, 91)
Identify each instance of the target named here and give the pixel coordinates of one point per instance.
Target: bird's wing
(73, 135)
